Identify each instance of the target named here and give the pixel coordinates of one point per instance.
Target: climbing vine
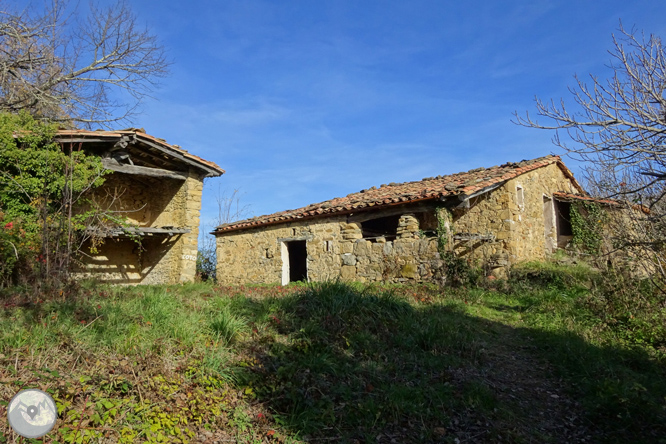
(43, 189)
(444, 229)
(587, 223)
(457, 271)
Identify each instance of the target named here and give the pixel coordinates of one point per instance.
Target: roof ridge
(141, 133)
(465, 182)
(478, 169)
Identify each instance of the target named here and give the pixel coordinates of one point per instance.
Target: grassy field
(548, 356)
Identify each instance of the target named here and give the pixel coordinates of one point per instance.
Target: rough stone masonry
(493, 229)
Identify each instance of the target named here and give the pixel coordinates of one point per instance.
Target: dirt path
(533, 405)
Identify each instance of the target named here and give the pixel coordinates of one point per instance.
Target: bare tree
(618, 125)
(91, 71)
(618, 128)
(229, 209)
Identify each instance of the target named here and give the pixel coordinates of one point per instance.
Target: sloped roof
(140, 135)
(569, 196)
(608, 202)
(430, 188)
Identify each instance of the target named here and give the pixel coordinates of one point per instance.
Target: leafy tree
(59, 68)
(90, 71)
(41, 185)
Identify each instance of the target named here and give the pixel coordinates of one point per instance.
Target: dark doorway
(298, 270)
(564, 231)
(563, 218)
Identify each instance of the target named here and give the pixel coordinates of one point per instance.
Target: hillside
(548, 356)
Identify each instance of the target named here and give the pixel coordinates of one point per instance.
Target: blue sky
(303, 101)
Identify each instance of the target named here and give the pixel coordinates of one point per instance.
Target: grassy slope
(528, 362)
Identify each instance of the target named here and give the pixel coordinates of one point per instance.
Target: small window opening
(386, 227)
(520, 197)
(427, 223)
(297, 253)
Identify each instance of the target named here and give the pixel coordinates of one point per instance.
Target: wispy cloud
(243, 114)
(304, 101)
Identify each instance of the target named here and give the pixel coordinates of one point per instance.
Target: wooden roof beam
(113, 165)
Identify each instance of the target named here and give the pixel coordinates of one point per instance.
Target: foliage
(207, 263)
(633, 308)
(588, 221)
(228, 326)
(364, 361)
(603, 332)
(337, 362)
(529, 276)
(40, 184)
(444, 229)
(457, 270)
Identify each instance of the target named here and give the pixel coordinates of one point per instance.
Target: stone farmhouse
(157, 188)
(493, 217)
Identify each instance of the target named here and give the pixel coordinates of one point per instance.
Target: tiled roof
(610, 202)
(569, 196)
(140, 134)
(430, 188)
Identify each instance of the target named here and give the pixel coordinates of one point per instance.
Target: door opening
(564, 230)
(549, 223)
(295, 263)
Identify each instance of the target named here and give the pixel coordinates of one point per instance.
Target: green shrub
(634, 309)
(207, 264)
(458, 271)
(588, 220)
(40, 183)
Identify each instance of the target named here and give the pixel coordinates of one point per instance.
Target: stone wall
(516, 222)
(335, 249)
(144, 201)
(191, 210)
(148, 202)
(494, 230)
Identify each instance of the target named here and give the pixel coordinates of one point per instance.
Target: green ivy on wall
(444, 229)
(457, 270)
(42, 185)
(587, 224)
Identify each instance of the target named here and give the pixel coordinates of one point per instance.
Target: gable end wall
(519, 230)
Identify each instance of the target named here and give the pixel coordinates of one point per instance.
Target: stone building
(494, 217)
(156, 188)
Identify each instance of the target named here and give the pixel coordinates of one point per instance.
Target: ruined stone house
(494, 217)
(156, 189)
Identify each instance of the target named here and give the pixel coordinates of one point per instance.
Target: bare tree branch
(617, 127)
(95, 71)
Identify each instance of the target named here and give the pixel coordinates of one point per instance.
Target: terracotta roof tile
(139, 133)
(430, 188)
(610, 202)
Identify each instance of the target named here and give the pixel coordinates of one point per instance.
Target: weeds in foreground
(410, 363)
